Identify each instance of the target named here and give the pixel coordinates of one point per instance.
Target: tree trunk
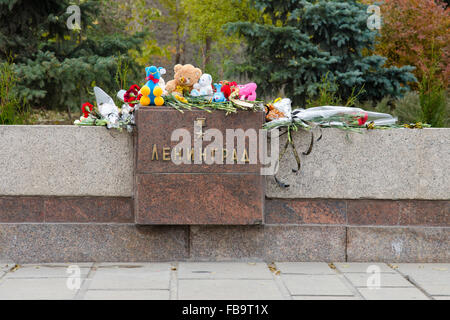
(178, 44)
(183, 42)
(206, 52)
(177, 33)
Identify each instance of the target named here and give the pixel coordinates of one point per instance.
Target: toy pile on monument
(189, 89)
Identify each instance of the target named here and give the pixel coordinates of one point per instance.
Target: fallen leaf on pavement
(440, 269)
(17, 266)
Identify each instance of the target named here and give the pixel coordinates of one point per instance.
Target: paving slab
(433, 278)
(441, 268)
(325, 298)
(127, 295)
(6, 265)
(224, 270)
(392, 294)
(124, 264)
(433, 288)
(35, 289)
(362, 267)
(146, 276)
(386, 280)
(441, 297)
(226, 280)
(226, 289)
(304, 268)
(330, 285)
(60, 264)
(48, 271)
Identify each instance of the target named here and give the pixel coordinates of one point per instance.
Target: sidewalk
(225, 280)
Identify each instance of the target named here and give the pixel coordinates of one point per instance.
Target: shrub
(408, 109)
(422, 106)
(433, 102)
(328, 95)
(413, 32)
(12, 109)
(432, 95)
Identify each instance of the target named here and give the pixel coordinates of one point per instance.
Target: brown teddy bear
(185, 77)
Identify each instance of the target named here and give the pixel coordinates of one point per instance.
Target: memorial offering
(185, 77)
(189, 89)
(152, 92)
(204, 87)
(106, 113)
(281, 115)
(192, 89)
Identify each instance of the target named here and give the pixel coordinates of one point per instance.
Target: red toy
(228, 87)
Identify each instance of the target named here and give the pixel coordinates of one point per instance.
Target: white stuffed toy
(161, 82)
(203, 87)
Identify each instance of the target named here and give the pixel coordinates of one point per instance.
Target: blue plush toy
(218, 95)
(152, 92)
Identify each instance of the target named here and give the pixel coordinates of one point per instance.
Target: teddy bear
(161, 82)
(203, 87)
(185, 77)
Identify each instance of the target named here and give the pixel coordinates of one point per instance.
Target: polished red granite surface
(195, 194)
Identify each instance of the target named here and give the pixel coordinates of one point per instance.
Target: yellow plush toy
(152, 92)
(145, 100)
(185, 77)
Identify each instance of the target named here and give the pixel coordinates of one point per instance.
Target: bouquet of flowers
(229, 106)
(279, 114)
(107, 113)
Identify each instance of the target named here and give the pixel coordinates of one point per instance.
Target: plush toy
(203, 87)
(218, 95)
(161, 82)
(152, 92)
(185, 78)
(247, 91)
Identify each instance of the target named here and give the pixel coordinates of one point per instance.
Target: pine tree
(56, 67)
(298, 42)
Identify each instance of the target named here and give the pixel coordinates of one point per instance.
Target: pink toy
(247, 91)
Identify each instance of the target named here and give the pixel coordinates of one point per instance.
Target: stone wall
(65, 161)
(389, 190)
(66, 194)
(377, 164)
